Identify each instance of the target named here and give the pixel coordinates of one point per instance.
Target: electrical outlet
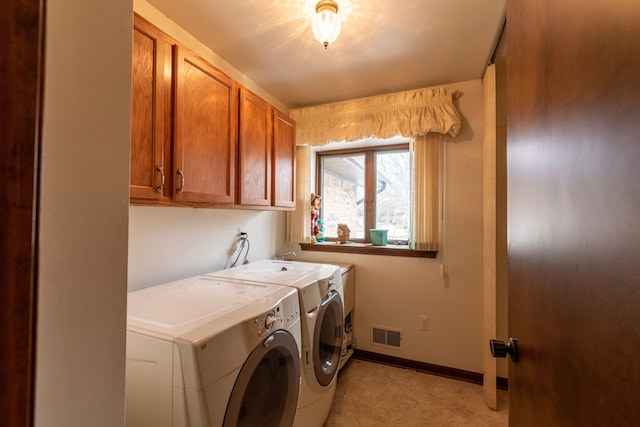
(424, 322)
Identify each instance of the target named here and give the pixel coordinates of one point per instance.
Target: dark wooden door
(21, 79)
(573, 79)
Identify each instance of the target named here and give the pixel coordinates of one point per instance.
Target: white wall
(80, 349)
(167, 244)
(395, 291)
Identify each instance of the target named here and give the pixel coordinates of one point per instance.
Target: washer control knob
(270, 320)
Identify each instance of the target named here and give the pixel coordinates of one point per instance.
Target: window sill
(368, 249)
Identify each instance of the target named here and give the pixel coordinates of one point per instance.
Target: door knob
(501, 349)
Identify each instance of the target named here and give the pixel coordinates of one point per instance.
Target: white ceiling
(385, 46)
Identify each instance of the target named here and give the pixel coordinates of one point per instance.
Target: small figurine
(320, 233)
(315, 215)
(343, 233)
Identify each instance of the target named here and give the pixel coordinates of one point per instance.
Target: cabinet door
(205, 132)
(147, 104)
(254, 150)
(284, 161)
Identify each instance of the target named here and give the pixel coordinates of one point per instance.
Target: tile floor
(373, 394)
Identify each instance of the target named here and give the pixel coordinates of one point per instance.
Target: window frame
(363, 245)
(370, 197)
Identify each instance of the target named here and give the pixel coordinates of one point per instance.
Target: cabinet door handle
(160, 188)
(181, 188)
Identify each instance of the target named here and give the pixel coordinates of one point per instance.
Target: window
(366, 188)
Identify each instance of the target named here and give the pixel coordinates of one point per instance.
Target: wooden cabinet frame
(254, 150)
(205, 139)
(199, 138)
(148, 110)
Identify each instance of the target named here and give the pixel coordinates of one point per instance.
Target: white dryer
(204, 352)
(321, 294)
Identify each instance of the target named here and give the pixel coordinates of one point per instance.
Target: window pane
(393, 201)
(343, 194)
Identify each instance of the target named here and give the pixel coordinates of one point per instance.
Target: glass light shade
(326, 26)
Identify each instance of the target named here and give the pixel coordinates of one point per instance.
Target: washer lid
(175, 308)
(287, 273)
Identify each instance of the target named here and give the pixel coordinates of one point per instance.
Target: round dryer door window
(327, 339)
(266, 390)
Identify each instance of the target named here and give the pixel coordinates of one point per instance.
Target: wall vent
(387, 337)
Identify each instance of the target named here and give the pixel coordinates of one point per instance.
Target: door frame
(489, 200)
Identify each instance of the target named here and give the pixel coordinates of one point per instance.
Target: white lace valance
(409, 114)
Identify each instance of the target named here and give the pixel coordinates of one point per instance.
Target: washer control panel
(270, 319)
(331, 283)
(281, 316)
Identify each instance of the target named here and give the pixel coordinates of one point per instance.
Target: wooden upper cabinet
(284, 165)
(205, 127)
(147, 104)
(200, 139)
(254, 150)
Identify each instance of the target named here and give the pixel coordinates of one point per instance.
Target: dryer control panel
(316, 291)
(282, 316)
(331, 283)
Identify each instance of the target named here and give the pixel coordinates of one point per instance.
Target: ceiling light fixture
(326, 23)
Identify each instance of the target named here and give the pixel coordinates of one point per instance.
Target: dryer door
(327, 338)
(267, 388)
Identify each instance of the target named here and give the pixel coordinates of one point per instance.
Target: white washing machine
(204, 352)
(320, 291)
